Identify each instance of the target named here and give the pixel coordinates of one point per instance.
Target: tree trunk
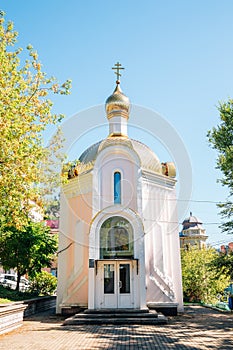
(18, 281)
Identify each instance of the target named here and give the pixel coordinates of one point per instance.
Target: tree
(26, 165)
(27, 250)
(202, 279)
(221, 139)
(224, 262)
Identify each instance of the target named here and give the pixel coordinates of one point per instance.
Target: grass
(4, 301)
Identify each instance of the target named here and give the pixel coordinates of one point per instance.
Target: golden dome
(117, 103)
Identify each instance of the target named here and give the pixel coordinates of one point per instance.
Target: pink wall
(77, 289)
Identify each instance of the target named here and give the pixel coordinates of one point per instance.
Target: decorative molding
(159, 180)
(79, 185)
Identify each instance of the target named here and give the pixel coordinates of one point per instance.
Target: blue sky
(177, 56)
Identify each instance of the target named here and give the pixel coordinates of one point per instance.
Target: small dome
(192, 221)
(117, 102)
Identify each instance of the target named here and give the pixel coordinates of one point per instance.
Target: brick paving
(197, 328)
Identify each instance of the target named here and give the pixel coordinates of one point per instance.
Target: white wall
(162, 253)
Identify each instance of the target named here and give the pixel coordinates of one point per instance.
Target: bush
(10, 295)
(202, 280)
(43, 284)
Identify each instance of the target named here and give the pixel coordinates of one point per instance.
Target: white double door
(115, 284)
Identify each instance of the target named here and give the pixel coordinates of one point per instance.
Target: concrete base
(71, 310)
(167, 309)
(39, 304)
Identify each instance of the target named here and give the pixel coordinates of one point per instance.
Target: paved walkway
(197, 328)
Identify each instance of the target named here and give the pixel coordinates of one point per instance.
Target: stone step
(119, 321)
(147, 318)
(116, 315)
(114, 311)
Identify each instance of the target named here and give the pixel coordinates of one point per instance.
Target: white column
(91, 288)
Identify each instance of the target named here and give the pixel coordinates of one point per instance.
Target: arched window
(117, 187)
(116, 238)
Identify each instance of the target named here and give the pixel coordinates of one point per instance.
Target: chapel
(119, 232)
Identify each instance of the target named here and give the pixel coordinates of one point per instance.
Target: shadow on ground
(197, 325)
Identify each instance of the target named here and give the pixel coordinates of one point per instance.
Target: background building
(226, 248)
(192, 233)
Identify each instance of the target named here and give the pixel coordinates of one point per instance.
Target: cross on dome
(118, 67)
(117, 104)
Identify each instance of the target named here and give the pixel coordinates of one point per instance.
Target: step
(116, 315)
(114, 311)
(119, 321)
(147, 318)
(116, 320)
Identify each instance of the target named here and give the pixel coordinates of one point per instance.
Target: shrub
(43, 283)
(202, 280)
(14, 295)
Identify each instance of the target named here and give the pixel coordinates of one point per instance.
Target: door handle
(120, 284)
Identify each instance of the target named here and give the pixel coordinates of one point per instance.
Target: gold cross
(117, 68)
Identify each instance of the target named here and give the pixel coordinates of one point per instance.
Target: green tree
(27, 250)
(202, 279)
(26, 165)
(221, 139)
(224, 262)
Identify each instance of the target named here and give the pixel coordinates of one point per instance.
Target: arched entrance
(117, 254)
(115, 277)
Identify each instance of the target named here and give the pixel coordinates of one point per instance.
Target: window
(117, 187)
(108, 278)
(116, 238)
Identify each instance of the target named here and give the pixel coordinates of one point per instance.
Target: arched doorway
(116, 260)
(116, 264)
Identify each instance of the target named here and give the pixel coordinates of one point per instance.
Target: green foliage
(202, 279)
(27, 168)
(224, 262)
(9, 295)
(221, 139)
(4, 301)
(43, 283)
(27, 250)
